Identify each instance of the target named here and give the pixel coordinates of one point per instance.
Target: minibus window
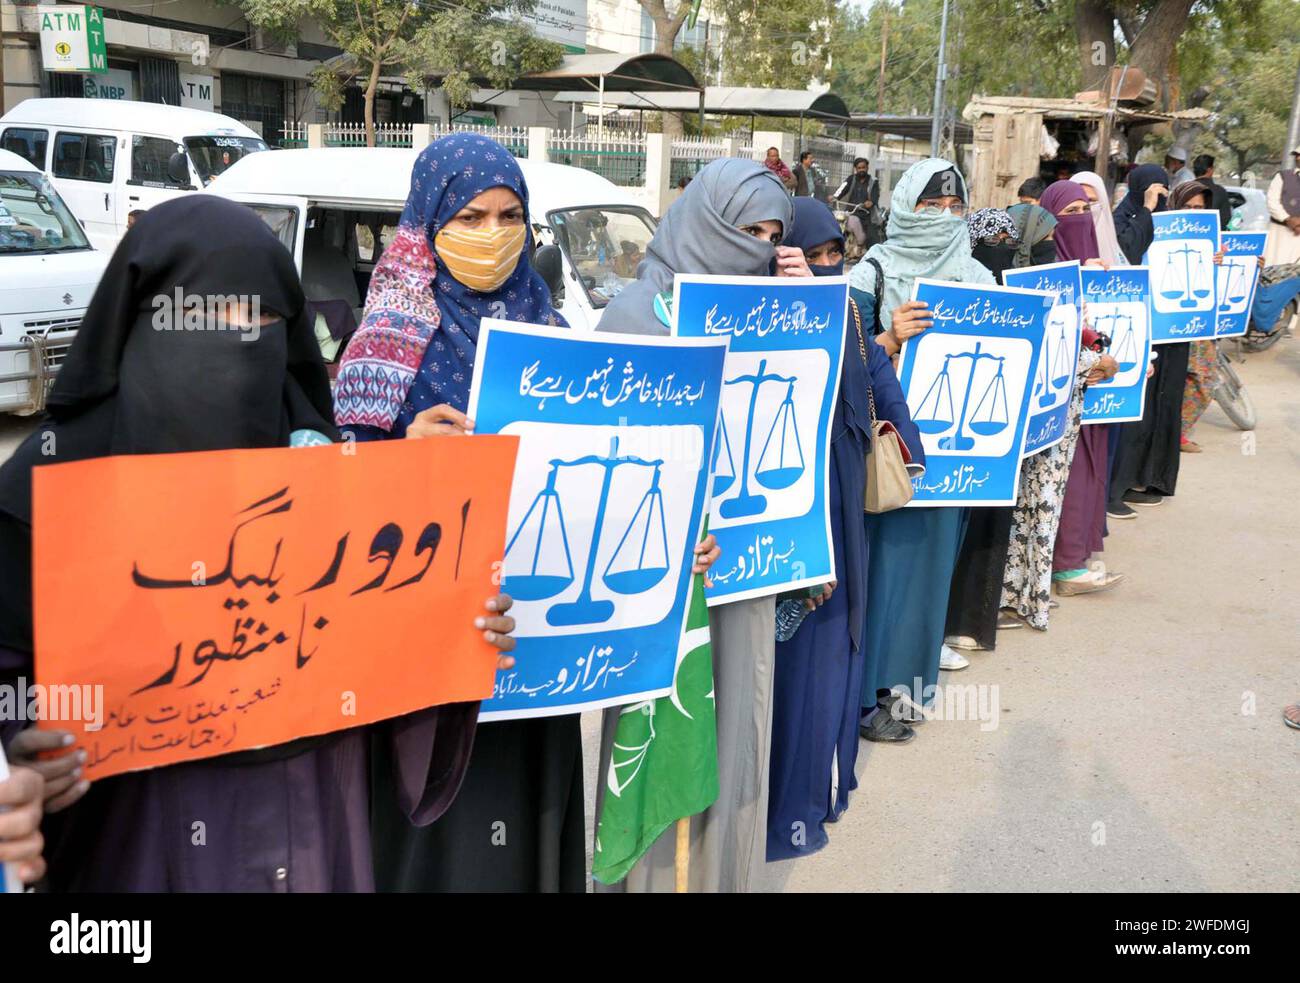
(27, 144)
(84, 156)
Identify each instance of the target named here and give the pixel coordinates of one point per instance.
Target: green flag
(665, 760)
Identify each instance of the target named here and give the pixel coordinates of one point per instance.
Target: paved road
(1139, 742)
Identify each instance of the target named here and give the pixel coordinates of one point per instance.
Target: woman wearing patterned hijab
(994, 239)
(459, 255)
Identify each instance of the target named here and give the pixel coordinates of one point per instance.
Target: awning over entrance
(731, 101)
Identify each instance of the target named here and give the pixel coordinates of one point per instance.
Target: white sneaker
(952, 660)
(963, 642)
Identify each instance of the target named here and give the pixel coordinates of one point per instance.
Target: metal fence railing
(621, 160)
(293, 135)
(513, 138)
(689, 154)
(354, 135)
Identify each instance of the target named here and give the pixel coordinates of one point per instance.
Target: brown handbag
(889, 486)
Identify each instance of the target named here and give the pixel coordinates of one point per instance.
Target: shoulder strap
(866, 364)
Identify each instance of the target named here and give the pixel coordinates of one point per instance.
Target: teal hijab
(934, 246)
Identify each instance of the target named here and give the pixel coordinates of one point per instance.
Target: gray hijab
(700, 234)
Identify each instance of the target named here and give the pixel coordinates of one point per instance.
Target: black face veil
(151, 371)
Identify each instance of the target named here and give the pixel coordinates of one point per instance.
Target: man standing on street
(1176, 165)
(803, 175)
(1203, 168)
(1284, 214)
(859, 192)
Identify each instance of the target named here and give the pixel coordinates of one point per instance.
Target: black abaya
(976, 593)
(1149, 454)
(517, 823)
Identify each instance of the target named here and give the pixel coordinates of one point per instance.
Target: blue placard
(1181, 261)
(1118, 303)
(969, 381)
(1238, 277)
(770, 508)
(1054, 378)
(605, 510)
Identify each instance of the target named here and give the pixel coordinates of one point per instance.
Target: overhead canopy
(615, 73)
(909, 127)
(729, 101)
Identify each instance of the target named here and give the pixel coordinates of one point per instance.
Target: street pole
(941, 73)
(1293, 130)
(3, 107)
(880, 84)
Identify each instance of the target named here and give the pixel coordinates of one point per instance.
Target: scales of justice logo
(1235, 279)
(602, 539)
(767, 437)
(1053, 383)
(1125, 323)
(980, 422)
(1181, 276)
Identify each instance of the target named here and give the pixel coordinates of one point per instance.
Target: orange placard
(239, 599)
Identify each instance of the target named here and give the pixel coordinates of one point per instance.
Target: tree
(1163, 39)
(668, 22)
(1248, 82)
(460, 43)
(980, 38)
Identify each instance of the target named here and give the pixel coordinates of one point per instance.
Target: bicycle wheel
(1231, 395)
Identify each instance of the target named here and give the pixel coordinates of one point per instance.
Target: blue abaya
(819, 672)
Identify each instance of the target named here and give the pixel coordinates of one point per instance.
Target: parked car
(48, 272)
(1252, 214)
(107, 158)
(336, 209)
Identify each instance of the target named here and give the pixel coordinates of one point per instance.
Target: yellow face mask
(482, 259)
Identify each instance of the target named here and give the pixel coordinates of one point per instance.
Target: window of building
(254, 99)
(26, 143)
(84, 156)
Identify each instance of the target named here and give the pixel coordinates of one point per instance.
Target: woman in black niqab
(140, 379)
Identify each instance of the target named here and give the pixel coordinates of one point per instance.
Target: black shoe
(907, 712)
(1118, 510)
(1143, 498)
(884, 729)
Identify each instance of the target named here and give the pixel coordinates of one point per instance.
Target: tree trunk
(1094, 27)
(666, 27)
(1153, 50)
(372, 84)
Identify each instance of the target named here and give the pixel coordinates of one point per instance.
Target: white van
(331, 206)
(48, 272)
(109, 157)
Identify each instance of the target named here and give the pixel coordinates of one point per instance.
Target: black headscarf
(1141, 178)
(137, 382)
(1133, 227)
(943, 184)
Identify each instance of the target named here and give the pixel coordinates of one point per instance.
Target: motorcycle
(1277, 301)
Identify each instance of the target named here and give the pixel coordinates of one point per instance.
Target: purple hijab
(1076, 235)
